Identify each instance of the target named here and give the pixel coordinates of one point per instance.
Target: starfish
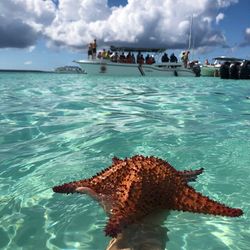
(135, 187)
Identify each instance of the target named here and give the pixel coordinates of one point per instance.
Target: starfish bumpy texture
(134, 187)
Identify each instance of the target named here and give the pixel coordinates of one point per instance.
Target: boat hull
(210, 70)
(125, 69)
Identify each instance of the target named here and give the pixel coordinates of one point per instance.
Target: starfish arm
(71, 187)
(190, 175)
(116, 160)
(191, 201)
(115, 225)
(126, 207)
(102, 182)
(122, 217)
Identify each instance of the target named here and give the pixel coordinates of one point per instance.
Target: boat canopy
(231, 59)
(132, 49)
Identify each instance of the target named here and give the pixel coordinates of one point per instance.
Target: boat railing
(157, 64)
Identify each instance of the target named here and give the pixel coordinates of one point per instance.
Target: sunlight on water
(58, 128)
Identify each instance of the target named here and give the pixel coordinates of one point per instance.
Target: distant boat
(70, 69)
(214, 68)
(118, 67)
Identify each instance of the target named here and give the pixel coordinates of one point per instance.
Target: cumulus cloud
(139, 23)
(16, 34)
(22, 21)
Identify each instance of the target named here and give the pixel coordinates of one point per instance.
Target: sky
(46, 34)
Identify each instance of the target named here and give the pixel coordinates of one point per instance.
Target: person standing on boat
(94, 46)
(90, 51)
(184, 58)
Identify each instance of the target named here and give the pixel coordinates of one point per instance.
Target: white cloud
(74, 23)
(31, 48)
(247, 38)
(22, 21)
(219, 17)
(226, 3)
(39, 11)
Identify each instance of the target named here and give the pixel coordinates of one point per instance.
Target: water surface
(57, 128)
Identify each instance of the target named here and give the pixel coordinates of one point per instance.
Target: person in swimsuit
(185, 58)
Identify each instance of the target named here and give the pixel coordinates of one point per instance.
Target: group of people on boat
(172, 58)
(130, 57)
(122, 58)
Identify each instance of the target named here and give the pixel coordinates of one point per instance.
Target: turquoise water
(58, 128)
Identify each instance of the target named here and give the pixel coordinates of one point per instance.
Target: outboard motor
(197, 70)
(244, 70)
(224, 70)
(234, 71)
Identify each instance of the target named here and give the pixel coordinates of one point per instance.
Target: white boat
(214, 69)
(109, 68)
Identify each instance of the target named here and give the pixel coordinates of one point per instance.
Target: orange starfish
(134, 187)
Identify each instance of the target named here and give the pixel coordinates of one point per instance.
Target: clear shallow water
(58, 128)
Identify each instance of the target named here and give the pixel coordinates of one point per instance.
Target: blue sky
(45, 34)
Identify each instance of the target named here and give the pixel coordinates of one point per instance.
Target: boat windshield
(228, 59)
